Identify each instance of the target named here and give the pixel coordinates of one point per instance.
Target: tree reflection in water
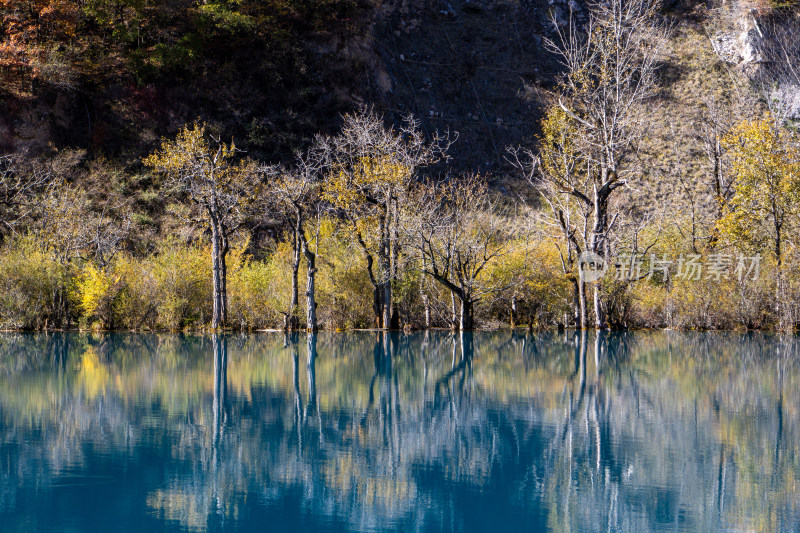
(575, 431)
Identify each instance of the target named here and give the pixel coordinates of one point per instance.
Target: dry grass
(698, 88)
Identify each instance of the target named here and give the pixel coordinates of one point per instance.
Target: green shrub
(169, 290)
(253, 299)
(33, 287)
(182, 276)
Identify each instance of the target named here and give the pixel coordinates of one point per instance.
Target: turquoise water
(629, 432)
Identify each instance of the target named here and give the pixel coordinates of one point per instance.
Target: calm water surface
(630, 432)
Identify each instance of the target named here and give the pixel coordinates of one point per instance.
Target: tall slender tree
(297, 191)
(206, 173)
(610, 77)
(550, 171)
(371, 169)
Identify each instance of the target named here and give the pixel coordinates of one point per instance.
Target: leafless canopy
(459, 231)
(19, 185)
(370, 171)
(592, 132)
(610, 74)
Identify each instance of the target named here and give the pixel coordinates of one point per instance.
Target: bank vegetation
(367, 228)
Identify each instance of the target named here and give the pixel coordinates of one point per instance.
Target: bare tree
(717, 116)
(204, 172)
(67, 221)
(297, 192)
(569, 219)
(610, 75)
(567, 216)
(20, 183)
(459, 231)
(371, 169)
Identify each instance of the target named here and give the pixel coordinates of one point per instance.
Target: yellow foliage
(208, 173)
(558, 152)
(190, 145)
(95, 290)
(350, 188)
(766, 167)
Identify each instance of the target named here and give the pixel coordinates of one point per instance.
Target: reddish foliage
(29, 24)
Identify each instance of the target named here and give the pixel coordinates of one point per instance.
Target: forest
(627, 204)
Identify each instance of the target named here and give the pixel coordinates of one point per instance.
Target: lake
(366, 431)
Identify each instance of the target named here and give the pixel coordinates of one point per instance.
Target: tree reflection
(569, 431)
(220, 348)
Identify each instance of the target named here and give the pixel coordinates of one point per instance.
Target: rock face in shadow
(476, 67)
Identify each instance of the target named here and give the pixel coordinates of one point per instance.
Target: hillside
(112, 78)
(113, 83)
(116, 118)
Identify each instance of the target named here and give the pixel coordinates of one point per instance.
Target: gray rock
(750, 42)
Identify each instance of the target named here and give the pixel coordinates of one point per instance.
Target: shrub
(97, 289)
(254, 299)
(168, 290)
(33, 287)
(183, 285)
(530, 276)
(344, 291)
(136, 305)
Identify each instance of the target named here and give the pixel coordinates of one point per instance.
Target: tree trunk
(599, 312)
(582, 321)
(292, 322)
(513, 312)
(780, 309)
(311, 301)
(377, 307)
(394, 253)
(311, 298)
(453, 313)
(377, 304)
(718, 195)
(576, 303)
(426, 302)
(466, 323)
(223, 276)
(599, 245)
(385, 269)
(216, 316)
(387, 304)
